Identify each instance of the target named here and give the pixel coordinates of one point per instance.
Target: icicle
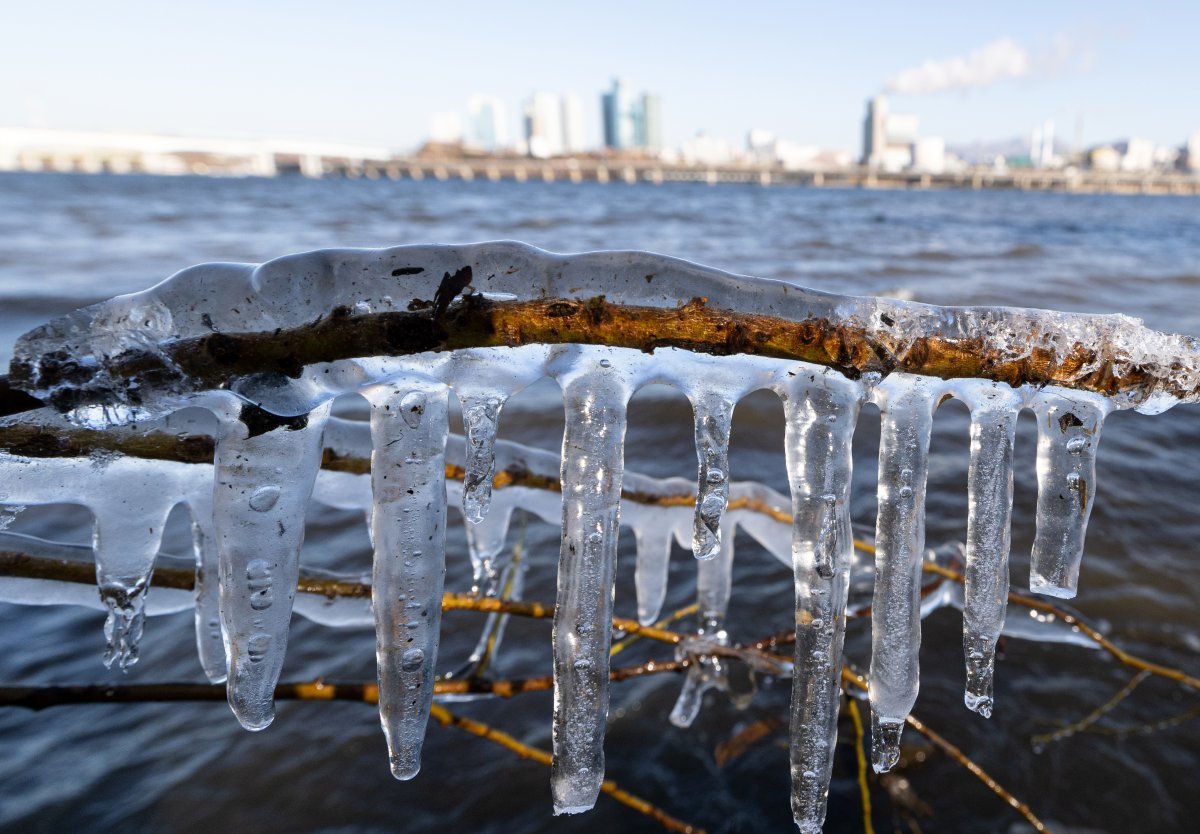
(994, 409)
(595, 396)
(1069, 425)
(481, 413)
(713, 414)
(713, 585)
(408, 478)
(653, 538)
(210, 643)
(264, 479)
(906, 403)
(485, 545)
(125, 538)
(820, 418)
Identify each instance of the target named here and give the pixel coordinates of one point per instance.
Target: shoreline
(652, 172)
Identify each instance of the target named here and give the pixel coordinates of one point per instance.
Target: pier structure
(121, 153)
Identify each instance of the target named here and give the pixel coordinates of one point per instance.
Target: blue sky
(376, 71)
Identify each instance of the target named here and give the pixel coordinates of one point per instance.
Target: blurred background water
(66, 241)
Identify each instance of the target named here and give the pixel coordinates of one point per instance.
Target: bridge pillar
(601, 173)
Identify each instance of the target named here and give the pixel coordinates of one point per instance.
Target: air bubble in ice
(412, 406)
(264, 498)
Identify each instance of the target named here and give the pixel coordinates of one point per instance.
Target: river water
(68, 240)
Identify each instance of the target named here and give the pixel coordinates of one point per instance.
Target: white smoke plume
(1002, 58)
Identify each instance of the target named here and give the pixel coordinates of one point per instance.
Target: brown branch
(43, 697)
(214, 360)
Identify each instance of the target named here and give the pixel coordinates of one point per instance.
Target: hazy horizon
(375, 73)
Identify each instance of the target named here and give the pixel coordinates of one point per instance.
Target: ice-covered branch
(247, 327)
(264, 350)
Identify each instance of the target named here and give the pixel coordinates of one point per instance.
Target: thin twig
(1070, 619)
(448, 719)
(859, 754)
(857, 681)
(1093, 716)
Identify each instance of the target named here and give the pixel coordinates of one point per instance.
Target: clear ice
(273, 429)
(264, 477)
(906, 405)
(1068, 436)
(408, 524)
(994, 408)
(820, 409)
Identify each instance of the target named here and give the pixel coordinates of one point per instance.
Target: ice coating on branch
(383, 315)
(1068, 435)
(408, 523)
(210, 642)
(820, 411)
(130, 499)
(906, 404)
(653, 538)
(707, 671)
(142, 354)
(994, 408)
(265, 469)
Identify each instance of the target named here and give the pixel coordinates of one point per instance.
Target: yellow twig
(857, 681)
(686, 611)
(863, 788)
(1100, 640)
(1093, 716)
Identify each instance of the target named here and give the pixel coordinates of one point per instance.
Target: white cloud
(1002, 58)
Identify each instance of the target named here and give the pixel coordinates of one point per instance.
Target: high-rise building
(1191, 156)
(652, 135)
(572, 123)
(623, 123)
(875, 132)
(486, 123)
(888, 138)
(544, 125)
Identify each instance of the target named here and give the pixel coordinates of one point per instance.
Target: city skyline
(1099, 73)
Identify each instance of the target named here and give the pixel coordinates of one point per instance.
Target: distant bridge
(74, 151)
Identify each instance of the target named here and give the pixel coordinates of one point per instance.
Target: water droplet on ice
(264, 498)
(715, 476)
(412, 659)
(257, 647)
(412, 406)
(1073, 480)
(258, 581)
(1076, 445)
(604, 363)
(906, 491)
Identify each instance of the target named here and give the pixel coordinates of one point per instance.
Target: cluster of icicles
(248, 513)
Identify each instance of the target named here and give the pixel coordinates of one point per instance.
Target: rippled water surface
(66, 241)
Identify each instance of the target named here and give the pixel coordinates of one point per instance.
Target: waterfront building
(631, 121)
(487, 125)
(929, 155)
(652, 135)
(888, 137)
(544, 125)
(1191, 157)
(572, 123)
